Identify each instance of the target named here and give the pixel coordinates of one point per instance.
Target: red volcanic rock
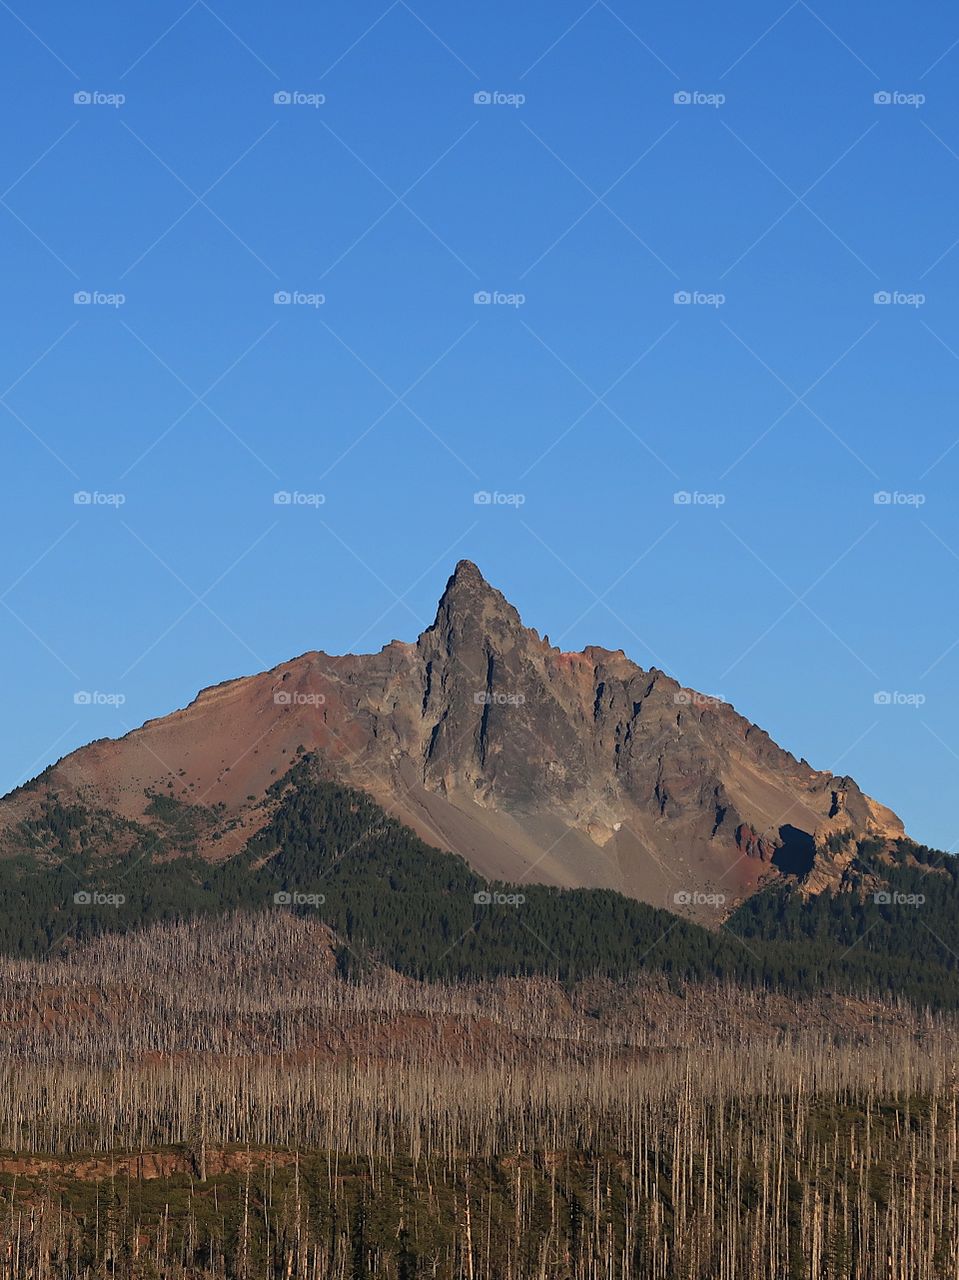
(753, 845)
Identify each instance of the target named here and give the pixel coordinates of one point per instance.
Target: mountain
(386, 900)
(537, 766)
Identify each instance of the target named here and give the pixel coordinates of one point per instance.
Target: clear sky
(623, 155)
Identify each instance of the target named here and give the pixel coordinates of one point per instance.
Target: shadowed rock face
(576, 769)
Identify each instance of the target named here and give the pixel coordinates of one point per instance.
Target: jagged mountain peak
(467, 571)
(574, 769)
(470, 606)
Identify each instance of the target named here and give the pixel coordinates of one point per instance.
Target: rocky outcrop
(754, 845)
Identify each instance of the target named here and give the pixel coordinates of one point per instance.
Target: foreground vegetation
(341, 1054)
(216, 1100)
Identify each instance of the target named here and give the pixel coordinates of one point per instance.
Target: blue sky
(626, 155)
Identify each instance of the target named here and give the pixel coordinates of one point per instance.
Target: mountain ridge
(576, 769)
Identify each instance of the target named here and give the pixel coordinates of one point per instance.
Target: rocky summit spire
(466, 572)
(470, 609)
(484, 692)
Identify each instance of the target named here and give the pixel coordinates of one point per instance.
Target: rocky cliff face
(575, 769)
